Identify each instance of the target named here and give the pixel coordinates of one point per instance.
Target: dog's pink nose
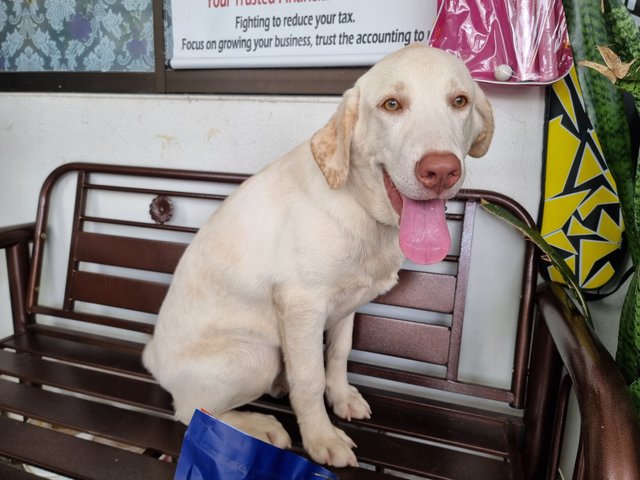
(439, 171)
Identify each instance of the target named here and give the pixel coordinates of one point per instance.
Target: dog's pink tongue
(424, 236)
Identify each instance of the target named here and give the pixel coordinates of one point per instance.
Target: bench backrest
(130, 225)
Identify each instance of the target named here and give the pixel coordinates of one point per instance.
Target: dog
(300, 245)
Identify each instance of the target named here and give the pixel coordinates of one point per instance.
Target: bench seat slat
(377, 447)
(362, 474)
(422, 290)
(463, 427)
(81, 380)
(8, 472)
(118, 424)
(128, 252)
(430, 460)
(116, 343)
(109, 357)
(76, 458)
(427, 419)
(401, 338)
(115, 291)
(474, 428)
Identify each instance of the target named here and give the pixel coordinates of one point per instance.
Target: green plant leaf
(624, 31)
(550, 253)
(627, 355)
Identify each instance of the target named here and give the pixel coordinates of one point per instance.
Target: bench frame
(554, 349)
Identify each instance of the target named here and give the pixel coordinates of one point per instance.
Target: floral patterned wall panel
(76, 35)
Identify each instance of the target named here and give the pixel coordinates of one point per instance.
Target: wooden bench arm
(610, 433)
(15, 240)
(14, 234)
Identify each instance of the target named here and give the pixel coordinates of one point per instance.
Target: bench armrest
(610, 433)
(15, 240)
(14, 234)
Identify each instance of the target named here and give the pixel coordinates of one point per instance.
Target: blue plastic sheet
(213, 450)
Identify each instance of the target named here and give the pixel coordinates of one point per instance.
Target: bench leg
(18, 270)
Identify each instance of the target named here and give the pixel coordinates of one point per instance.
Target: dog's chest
(376, 275)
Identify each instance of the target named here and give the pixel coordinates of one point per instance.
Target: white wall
(39, 132)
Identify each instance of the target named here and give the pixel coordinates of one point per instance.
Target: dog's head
(403, 131)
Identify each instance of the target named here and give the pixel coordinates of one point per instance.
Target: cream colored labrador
(303, 243)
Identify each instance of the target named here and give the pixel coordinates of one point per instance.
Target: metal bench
(87, 279)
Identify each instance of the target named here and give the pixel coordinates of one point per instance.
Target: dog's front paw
(334, 449)
(349, 404)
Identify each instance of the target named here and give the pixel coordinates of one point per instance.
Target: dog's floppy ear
(484, 118)
(331, 144)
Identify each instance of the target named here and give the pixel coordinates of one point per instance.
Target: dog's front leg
(301, 329)
(346, 401)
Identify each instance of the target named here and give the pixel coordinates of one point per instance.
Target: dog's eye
(459, 101)
(391, 105)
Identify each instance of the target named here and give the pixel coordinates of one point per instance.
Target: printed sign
(288, 33)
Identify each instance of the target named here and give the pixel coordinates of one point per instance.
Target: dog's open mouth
(424, 236)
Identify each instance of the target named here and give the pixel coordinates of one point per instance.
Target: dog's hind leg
(258, 425)
(226, 379)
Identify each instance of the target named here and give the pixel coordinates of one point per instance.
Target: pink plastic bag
(508, 41)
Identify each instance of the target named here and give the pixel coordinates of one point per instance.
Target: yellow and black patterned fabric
(580, 214)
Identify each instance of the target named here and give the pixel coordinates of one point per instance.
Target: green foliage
(627, 356)
(624, 31)
(550, 254)
(617, 38)
(630, 83)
